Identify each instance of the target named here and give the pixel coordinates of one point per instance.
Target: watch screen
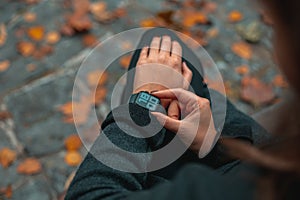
(147, 101)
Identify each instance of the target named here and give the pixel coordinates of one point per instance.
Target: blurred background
(42, 44)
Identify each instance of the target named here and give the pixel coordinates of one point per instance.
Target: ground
(36, 78)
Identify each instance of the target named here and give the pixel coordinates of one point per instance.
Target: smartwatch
(145, 100)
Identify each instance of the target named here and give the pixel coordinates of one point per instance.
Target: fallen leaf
(148, 23)
(4, 65)
(79, 22)
(67, 30)
(212, 33)
(89, 40)
(73, 158)
(242, 49)
(73, 142)
(81, 7)
(7, 191)
(31, 67)
(209, 7)
(242, 70)
(99, 96)
(29, 17)
(32, 1)
(120, 12)
(36, 33)
(256, 92)
(280, 81)
(52, 37)
(5, 115)
(3, 34)
(191, 18)
(125, 61)
(235, 16)
(26, 48)
(76, 112)
(43, 51)
(29, 166)
(7, 157)
(97, 78)
(98, 7)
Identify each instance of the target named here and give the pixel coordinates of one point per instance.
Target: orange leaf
(256, 92)
(31, 67)
(98, 7)
(242, 70)
(7, 191)
(73, 158)
(36, 33)
(4, 65)
(125, 61)
(97, 78)
(242, 49)
(99, 96)
(25, 48)
(279, 81)
(73, 142)
(52, 37)
(5, 115)
(7, 157)
(29, 166)
(192, 18)
(3, 34)
(89, 40)
(29, 17)
(212, 33)
(235, 16)
(148, 23)
(79, 22)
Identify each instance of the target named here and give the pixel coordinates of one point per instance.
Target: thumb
(168, 122)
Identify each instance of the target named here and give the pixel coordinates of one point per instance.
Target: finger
(180, 94)
(154, 48)
(187, 74)
(165, 102)
(176, 60)
(143, 56)
(174, 110)
(169, 123)
(164, 53)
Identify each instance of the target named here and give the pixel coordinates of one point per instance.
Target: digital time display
(147, 101)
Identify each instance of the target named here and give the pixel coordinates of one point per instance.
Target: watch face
(147, 101)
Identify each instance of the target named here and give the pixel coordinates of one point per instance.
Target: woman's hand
(196, 128)
(160, 67)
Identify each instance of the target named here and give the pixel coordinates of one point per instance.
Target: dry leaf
(73, 158)
(81, 7)
(3, 34)
(5, 115)
(7, 191)
(148, 23)
(36, 33)
(235, 16)
(97, 7)
(67, 30)
(31, 67)
(4, 65)
(210, 7)
(43, 51)
(89, 40)
(76, 112)
(256, 92)
(99, 96)
(212, 33)
(242, 49)
(279, 81)
(125, 61)
(29, 166)
(29, 17)
(79, 22)
(191, 18)
(120, 12)
(7, 157)
(242, 70)
(52, 37)
(97, 78)
(26, 48)
(73, 142)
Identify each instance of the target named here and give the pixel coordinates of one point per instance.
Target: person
(273, 174)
